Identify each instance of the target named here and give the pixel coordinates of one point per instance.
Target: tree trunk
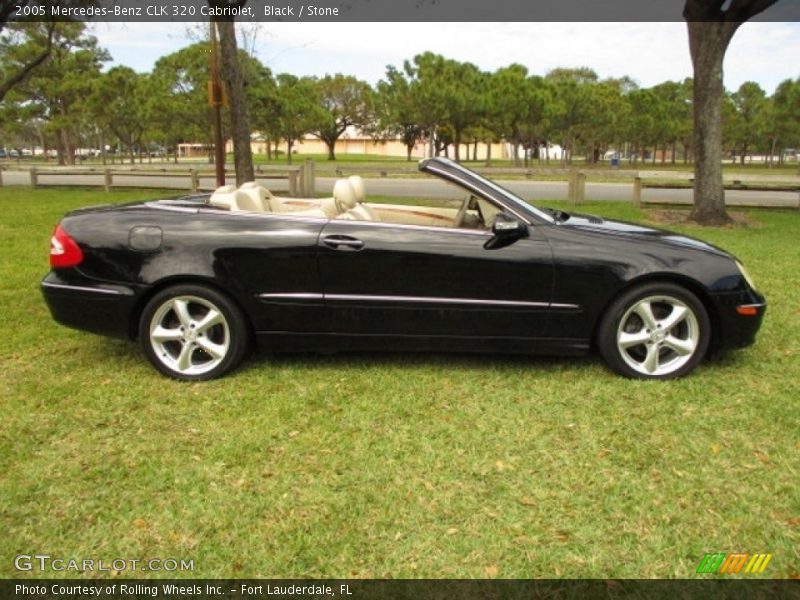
(488, 154)
(331, 146)
(707, 44)
(289, 144)
(409, 149)
(240, 125)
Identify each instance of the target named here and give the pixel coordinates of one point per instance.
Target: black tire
(193, 332)
(654, 331)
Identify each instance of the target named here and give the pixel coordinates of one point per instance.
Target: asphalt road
(429, 187)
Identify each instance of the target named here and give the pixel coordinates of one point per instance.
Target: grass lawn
(395, 465)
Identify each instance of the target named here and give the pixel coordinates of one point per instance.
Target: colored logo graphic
(720, 563)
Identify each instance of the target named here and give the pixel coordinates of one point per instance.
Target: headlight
(746, 275)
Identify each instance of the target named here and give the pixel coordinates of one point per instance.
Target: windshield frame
(451, 170)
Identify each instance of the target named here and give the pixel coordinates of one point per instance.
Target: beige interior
(347, 202)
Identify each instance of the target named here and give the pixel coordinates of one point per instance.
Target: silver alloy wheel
(658, 335)
(189, 335)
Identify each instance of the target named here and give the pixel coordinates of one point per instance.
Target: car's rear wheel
(192, 332)
(654, 331)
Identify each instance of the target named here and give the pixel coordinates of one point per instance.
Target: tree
(232, 74)
(784, 117)
(711, 29)
(264, 106)
(750, 105)
(396, 111)
(605, 112)
(119, 100)
(346, 102)
(56, 92)
(23, 48)
(450, 98)
(300, 112)
(676, 114)
(178, 103)
(573, 106)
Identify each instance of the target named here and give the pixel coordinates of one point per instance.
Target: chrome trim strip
(565, 306)
(414, 299)
(756, 305)
(292, 296)
(435, 300)
(79, 288)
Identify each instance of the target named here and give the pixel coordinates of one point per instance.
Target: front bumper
(740, 317)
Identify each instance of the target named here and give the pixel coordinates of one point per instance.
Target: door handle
(342, 242)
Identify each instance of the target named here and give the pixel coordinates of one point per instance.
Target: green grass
(395, 465)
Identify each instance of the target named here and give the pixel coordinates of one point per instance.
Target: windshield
(507, 196)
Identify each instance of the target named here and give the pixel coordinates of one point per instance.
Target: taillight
(64, 252)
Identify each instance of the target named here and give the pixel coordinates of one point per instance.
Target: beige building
(353, 141)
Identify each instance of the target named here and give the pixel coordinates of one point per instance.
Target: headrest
(344, 195)
(223, 197)
(358, 187)
(251, 202)
(258, 197)
(254, 185)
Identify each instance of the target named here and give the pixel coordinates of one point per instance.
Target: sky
(650, 53)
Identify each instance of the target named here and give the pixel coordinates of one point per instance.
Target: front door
(401, 280)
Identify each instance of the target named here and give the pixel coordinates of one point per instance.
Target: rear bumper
(88, 305)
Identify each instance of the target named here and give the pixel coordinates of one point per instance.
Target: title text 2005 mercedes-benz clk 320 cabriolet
(197, 279)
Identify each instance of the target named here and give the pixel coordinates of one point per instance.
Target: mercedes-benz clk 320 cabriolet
(197, 279)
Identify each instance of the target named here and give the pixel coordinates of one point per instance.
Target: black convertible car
(197, 279)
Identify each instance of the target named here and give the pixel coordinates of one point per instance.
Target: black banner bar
(705, 588)
(373, 10)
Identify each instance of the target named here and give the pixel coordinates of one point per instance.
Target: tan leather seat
(344, 195)
(360, 190)
(223, 197)
(255, 198)
(361, 211)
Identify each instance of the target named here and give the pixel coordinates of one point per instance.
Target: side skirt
(284, 341)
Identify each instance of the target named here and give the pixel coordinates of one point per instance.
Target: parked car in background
(197, 279)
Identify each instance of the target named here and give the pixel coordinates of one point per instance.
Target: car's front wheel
(192, 332)
(654, 331)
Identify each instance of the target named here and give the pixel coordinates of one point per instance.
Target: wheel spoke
(184, 361)
(217, 351)
(162, 334)
(677, 315)
(651, 360)
(212, 318)
(628, 340)
(645, 311)
(181, 308)
(190, 335)
(681, 347)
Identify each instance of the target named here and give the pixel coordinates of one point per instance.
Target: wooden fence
(301, 178)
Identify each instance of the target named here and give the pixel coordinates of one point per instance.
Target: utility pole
(216, 100)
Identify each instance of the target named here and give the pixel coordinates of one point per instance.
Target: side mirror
(506, 226)
(506, 230)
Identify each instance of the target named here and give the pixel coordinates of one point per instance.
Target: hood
(632, 230)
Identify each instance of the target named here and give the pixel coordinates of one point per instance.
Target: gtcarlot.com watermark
(46, 562)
